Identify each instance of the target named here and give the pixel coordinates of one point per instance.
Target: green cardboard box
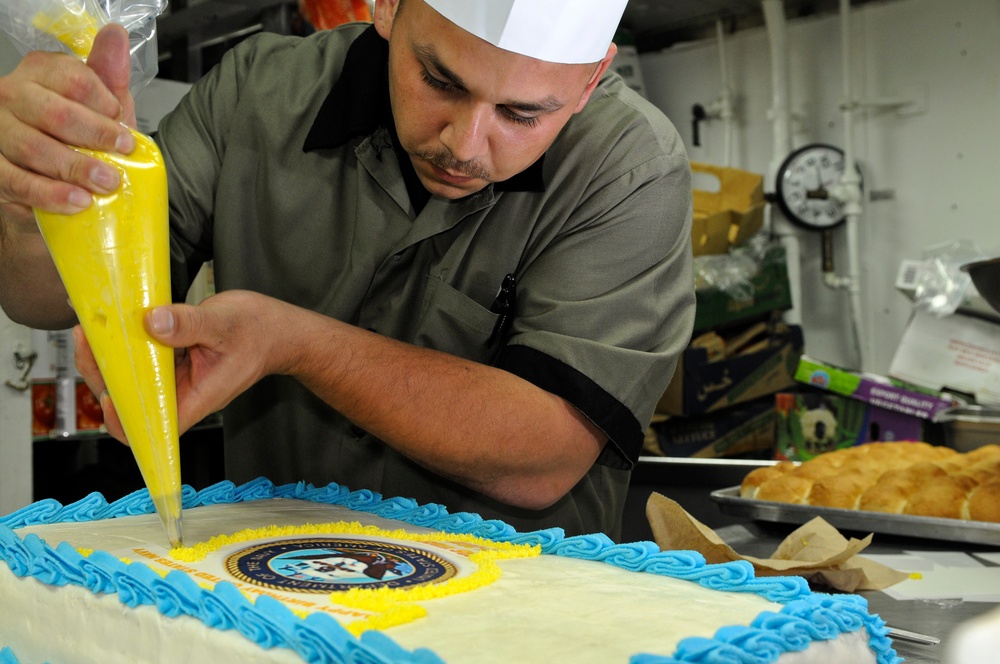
(770, 291)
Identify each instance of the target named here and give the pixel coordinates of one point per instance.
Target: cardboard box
(725, 216)
(702, 384)
(809, 423)
(879, 391)
(770, 291)
(746, 430)
(957, 352)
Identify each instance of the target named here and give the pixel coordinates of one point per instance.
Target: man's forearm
(31, 292)
(480, 426)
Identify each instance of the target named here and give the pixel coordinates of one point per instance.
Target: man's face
(467, 112)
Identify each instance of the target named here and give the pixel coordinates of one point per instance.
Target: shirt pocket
(452, 322)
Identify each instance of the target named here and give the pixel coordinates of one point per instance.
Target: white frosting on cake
(542, 608)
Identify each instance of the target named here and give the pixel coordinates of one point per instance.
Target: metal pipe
(774, 16)
(726, 100)
(851, 185)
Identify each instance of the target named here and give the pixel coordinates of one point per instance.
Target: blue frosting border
(804, 618)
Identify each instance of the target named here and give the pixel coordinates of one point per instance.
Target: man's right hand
(52, 101)
(49, 102)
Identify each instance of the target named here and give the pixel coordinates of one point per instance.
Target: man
(453, 251)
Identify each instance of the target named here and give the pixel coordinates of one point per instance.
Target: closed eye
(510, 115)
(438, 84)
(506, 112)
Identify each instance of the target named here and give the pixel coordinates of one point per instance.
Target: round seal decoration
(331, 564)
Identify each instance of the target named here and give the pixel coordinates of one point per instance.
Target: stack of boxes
(720, 402)
(842, 408)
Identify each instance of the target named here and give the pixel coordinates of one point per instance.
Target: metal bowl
(986, 276)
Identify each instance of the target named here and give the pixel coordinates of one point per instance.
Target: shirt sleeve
(606, 304)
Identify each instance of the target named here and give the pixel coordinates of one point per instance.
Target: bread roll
(896, 478)
(984, 502)
(944, 496)
(843, 491)
(786, 488)
(757, 476)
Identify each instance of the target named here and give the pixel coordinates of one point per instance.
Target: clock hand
(820, 192)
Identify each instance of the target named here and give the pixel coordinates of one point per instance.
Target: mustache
(446, 161)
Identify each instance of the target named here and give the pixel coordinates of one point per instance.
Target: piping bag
(114, 260)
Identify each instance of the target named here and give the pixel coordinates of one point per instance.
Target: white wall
(15, 420)
(15, 406)
(942, 162)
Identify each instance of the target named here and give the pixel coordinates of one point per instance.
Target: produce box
(709, 378)
(727, 215)
(745, 430)
(809, 423)
(769, 290)
(880, 391)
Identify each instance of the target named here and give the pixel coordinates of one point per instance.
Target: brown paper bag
(816, 551)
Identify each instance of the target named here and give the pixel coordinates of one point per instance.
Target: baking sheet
(952, 530)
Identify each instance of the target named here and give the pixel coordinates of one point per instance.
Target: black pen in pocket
(503, 305)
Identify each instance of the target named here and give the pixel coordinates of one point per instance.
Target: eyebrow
(427, 53)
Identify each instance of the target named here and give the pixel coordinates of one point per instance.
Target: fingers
(54, 100)
(62, 182)
(112, 424)
(110, 60)
(86, 364)
(176, 325)
(222, 349)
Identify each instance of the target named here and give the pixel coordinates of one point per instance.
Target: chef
(452, 249)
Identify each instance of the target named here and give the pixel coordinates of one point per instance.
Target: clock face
(804, 183)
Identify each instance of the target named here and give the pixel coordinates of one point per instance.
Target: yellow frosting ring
(389, 606)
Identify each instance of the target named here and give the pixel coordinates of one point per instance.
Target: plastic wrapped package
(941, 287)
(71, 25)
(731, 272)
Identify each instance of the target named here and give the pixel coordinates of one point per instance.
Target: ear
(602, 67)
(385, 13)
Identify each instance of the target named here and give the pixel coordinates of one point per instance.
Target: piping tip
(174, 532)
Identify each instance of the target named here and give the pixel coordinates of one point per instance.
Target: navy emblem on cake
(324, 565)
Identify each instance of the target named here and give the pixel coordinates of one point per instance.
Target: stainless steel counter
(689, 482)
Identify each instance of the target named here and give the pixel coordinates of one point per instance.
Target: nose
(465, 133)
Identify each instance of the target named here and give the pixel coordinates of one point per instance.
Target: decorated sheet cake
(297, 573)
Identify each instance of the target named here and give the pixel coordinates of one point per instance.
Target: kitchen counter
(689, 483)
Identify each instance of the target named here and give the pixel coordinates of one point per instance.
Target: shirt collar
(359, 104)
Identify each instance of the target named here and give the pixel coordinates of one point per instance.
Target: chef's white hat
(566, 31)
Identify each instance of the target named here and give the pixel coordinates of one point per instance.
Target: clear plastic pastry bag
(70, 26)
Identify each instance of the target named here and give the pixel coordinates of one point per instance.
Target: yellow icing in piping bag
(114, 259)
(74, 27)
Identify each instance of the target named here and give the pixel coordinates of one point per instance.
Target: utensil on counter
(913, 637)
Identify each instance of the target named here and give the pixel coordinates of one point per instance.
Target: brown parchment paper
(815, 551)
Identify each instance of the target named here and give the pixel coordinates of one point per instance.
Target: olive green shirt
(283, 169)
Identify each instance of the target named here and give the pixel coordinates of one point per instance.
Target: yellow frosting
(114, 258)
